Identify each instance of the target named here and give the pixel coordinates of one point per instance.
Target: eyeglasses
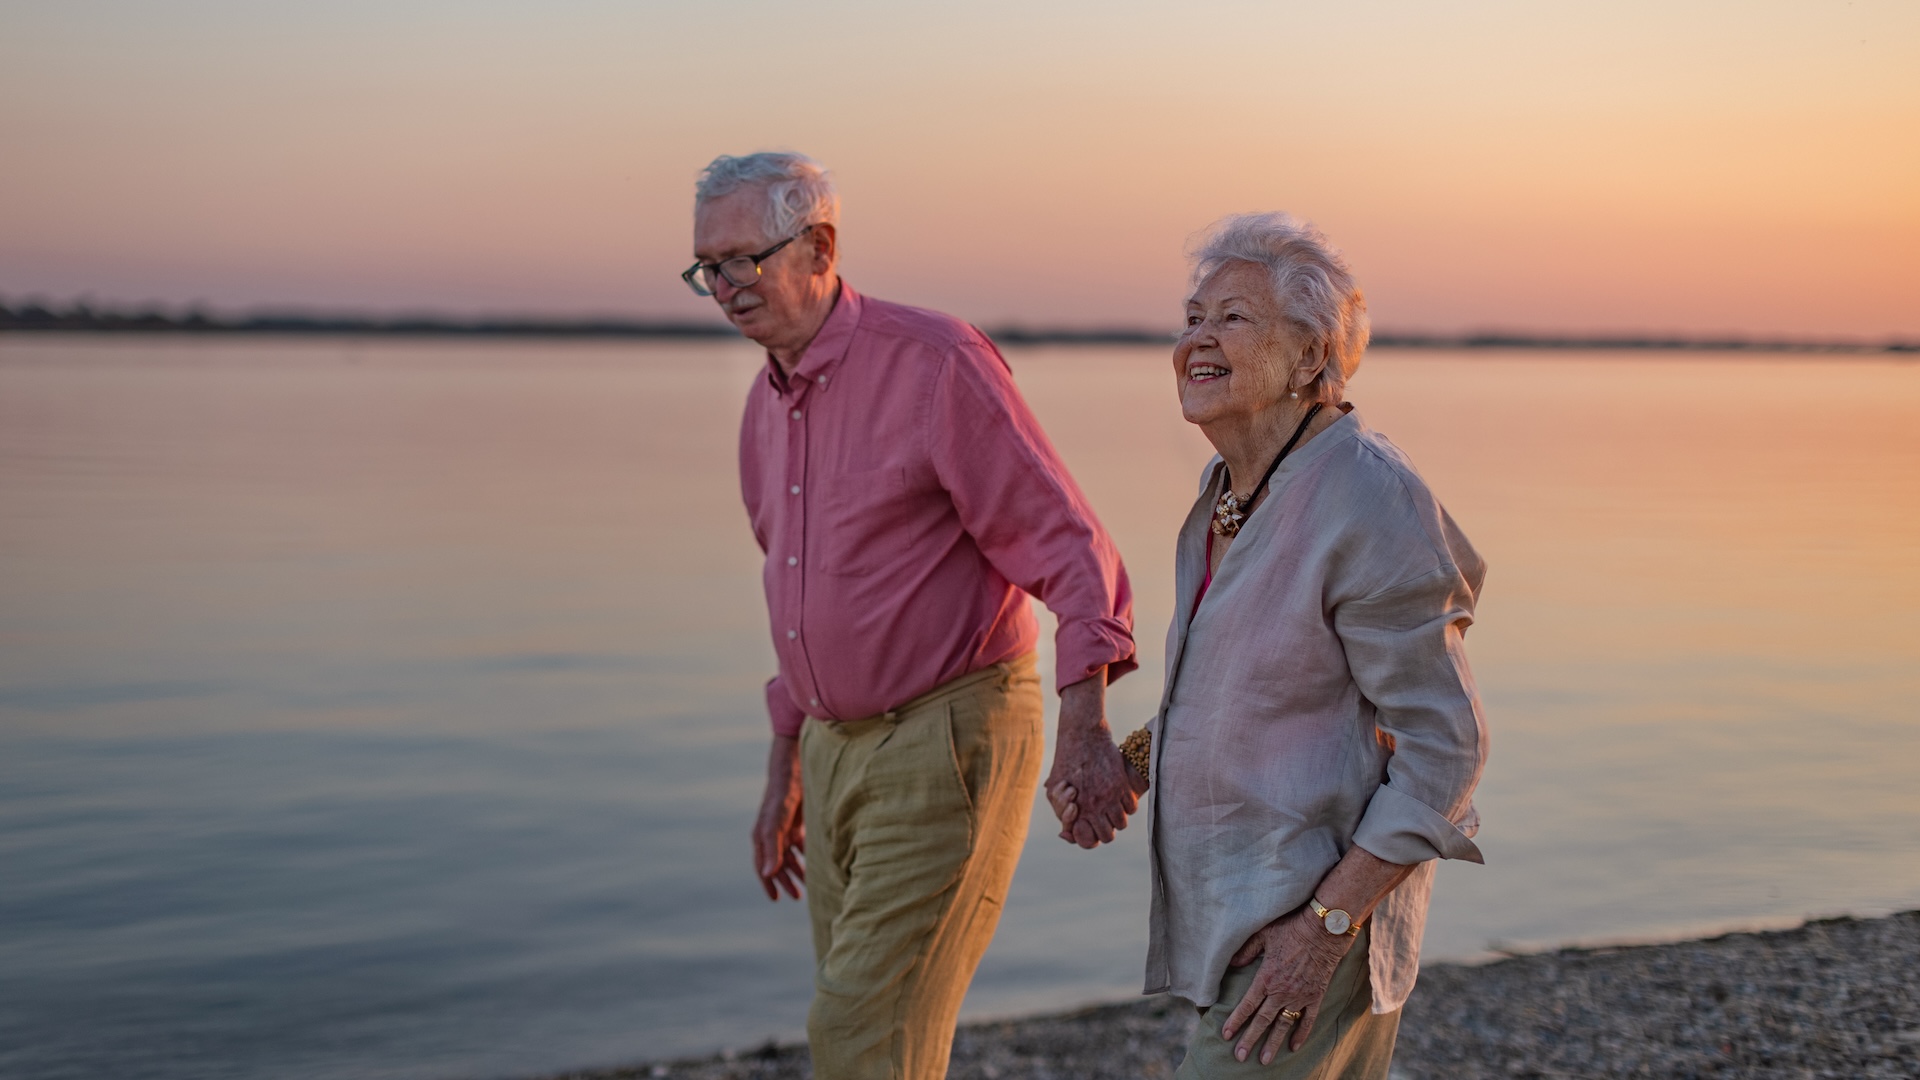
(741, 271)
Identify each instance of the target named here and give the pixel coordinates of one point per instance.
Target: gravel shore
(1835, 998)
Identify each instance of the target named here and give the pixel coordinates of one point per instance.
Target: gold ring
(1290, 1015)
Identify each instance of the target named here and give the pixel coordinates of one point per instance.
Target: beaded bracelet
(1137, 748)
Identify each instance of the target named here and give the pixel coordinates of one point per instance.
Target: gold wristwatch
(1335, 920)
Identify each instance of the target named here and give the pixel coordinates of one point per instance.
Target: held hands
(1092, 774)
(1064, 797)
(1091, 788)
(1299, 959)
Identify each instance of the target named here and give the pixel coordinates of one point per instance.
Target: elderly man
(907, 501)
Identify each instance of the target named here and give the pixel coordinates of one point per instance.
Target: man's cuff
(1401, 829)
(786, 716)
(1084, 646)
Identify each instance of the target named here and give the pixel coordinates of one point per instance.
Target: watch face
(1338, 922)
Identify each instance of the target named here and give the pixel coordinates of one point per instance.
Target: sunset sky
(1749, 167)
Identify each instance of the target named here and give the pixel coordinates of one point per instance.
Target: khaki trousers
(915, 821)
(1349, 1042)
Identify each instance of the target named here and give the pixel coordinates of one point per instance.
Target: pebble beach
(1833, 998)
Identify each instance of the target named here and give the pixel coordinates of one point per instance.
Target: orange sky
(1748, 167)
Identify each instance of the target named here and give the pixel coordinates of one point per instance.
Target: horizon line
(82, 318)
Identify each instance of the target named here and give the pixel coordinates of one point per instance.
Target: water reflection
(379, 709)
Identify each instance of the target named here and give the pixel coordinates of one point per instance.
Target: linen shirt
(907, 501)
(1336, 616)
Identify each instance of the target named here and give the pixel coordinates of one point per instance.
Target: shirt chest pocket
(860, 522)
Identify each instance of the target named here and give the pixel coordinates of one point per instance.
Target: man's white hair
(1315, 289)
(799, 189)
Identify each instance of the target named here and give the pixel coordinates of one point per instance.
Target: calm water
(394, 709)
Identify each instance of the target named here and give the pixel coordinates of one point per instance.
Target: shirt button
(793, 560)
(814, 701)
(795, 414)
(823, 378)
(794, 490)
(791, 634)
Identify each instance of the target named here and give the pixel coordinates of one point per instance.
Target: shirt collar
(1348, 426)
(828, 347)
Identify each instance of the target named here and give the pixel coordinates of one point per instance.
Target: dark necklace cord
(1284, 451)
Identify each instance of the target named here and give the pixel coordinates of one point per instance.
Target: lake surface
(379, 709)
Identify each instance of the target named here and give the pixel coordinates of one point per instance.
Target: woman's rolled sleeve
(1406, 650)
(1402, 829)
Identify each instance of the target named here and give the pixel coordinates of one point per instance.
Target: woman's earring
(1294, 394)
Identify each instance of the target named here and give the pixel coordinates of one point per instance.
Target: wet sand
(1833, 998)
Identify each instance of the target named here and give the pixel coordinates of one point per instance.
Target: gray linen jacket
(1332, 631)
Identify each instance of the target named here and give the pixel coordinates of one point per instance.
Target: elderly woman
(1319, 735)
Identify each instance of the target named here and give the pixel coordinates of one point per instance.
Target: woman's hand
(1299, 960)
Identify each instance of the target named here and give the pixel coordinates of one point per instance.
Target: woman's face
(1238, 351)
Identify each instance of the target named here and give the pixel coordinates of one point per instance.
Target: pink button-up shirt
(905, 497)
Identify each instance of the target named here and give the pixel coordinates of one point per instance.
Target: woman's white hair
(1312, 283)
(799, 189)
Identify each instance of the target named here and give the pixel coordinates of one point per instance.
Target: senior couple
(1319, 735)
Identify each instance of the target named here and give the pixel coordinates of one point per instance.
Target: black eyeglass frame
(692, 275)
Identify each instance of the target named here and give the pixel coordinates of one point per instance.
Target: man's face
(774, 308)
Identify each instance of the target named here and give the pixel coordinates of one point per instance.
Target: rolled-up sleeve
(1406, 650)
(1016, 499)
(786, 716)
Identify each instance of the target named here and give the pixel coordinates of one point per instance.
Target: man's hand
(1062, 796)
(779, 834)
(1091, 788)
(1297, 959)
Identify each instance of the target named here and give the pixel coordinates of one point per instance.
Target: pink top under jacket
(908, 502)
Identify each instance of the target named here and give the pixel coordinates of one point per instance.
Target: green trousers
(915, 821)
(1349, 1042)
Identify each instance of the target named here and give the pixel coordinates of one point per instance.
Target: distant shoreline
(33, 318)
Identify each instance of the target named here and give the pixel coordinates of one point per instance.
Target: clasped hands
(1092, 789)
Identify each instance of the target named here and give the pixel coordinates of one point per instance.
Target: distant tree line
(83, 317)
(1501, 340)
(36, 317)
